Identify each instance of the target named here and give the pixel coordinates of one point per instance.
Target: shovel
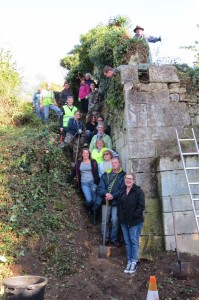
(180, 269)
(104, 251)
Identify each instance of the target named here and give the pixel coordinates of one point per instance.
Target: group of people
(98, 171)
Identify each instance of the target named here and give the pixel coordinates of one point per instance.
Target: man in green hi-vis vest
(48, 102)
(68, 111)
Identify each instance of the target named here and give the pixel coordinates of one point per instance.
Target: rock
(177, 90)
(175, 97)
(163, 74)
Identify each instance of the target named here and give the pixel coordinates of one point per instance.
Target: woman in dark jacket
(131, 205)
(86, 172)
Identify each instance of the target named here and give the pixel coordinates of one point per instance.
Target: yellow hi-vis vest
(69, 113)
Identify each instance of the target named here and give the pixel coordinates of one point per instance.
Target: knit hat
(138, 27)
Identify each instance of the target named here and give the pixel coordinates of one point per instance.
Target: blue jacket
(147, 38)
(74, 126)
(118, 185)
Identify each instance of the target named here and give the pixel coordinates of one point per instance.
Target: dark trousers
(84, 103)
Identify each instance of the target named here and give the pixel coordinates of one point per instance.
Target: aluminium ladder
(194, 200)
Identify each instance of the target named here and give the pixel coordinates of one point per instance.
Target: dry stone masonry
(155, 105)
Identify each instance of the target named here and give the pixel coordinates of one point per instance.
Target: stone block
(142, 149)
(177, 90)
(180, 203)
(142, 165)
(196, 120)
(173, 85)
(129, 74)
(165, 74)
(167, 114)
(172, 183)
(194, 109)
(137, 115)
(151, 87)
(186, 243)
(175, 97)
(138, 134)
(166, 164)
(148, 183)
(164, 133)
(185, 223)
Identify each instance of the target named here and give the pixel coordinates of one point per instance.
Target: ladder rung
(195, 199)
(186, 140)
(191, 168)
(197, 216)
(193, 182)
(190, 153)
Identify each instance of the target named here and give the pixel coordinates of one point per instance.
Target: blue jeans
(131, 236)
(54, 108)
(39, 112)
(88, 192)
(88, 136)
(112, 214)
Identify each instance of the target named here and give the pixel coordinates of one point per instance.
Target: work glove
(79, 131)
(79, 99)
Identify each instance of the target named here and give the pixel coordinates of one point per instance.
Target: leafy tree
(109, 44)
(10, 81)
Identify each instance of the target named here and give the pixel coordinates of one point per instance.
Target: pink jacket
(84, 90)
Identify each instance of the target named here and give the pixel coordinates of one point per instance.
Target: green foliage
(189, 77)
(10, 81)
(195, 49)
(104, 45)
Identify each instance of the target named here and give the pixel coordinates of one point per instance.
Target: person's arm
(140, 204)
(153, 39)
(108, 142)
(101, 189)
(87, 90)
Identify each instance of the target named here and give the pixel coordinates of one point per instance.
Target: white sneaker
(133, 268)
(127, 268)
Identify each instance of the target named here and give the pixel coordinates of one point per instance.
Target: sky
(41, 32)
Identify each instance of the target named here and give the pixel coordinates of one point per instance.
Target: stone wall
(153, 110)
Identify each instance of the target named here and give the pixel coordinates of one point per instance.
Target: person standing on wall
(48, 102)
(148, 38)
(131, 204)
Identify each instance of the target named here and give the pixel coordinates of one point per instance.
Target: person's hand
(41, 107)
(61, 129)
(79, 99)
(86, 97)
(108, 196)
(79, 131)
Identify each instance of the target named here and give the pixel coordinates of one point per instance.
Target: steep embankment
(45, 230)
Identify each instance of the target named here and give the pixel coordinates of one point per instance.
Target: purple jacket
(84, 90)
